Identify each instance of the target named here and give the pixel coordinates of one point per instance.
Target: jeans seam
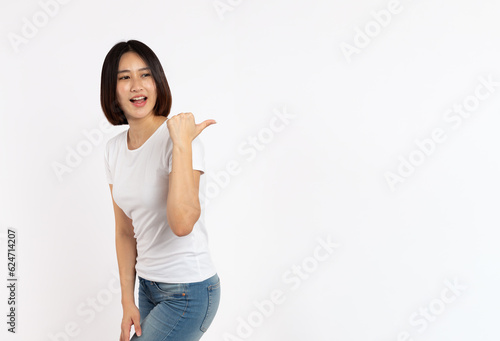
(180, 317)
(210, 289)
(203, 327)
(147, 292)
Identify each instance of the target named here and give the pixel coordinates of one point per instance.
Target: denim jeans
(177, 311)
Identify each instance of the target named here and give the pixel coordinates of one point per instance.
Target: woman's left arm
(183, 204)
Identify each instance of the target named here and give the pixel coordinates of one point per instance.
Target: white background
(317, 176)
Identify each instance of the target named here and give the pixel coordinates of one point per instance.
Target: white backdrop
(352, 173)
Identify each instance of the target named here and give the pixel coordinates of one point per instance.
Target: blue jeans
(177, 311)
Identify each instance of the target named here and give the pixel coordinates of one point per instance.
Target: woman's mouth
(139, 101)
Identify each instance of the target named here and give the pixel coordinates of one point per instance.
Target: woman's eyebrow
(144, 68)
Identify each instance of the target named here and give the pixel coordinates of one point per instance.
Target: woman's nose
(136, 85)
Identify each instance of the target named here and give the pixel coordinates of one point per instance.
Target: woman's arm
(183, 204)
(126, 252)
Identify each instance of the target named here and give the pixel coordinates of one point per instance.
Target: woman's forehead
(132, 58)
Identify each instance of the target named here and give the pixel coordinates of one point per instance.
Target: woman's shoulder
(113, 141)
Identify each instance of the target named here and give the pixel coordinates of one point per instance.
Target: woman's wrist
(128, 302)
(182, 145)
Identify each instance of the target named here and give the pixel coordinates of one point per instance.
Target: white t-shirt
(140, 189)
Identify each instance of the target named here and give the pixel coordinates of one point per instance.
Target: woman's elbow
(186, 224)
(182, 230)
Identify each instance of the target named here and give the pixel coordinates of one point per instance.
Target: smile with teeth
(139, 101)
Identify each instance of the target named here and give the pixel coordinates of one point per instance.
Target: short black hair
(109, 75)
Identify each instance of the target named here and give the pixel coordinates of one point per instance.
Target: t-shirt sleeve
(107, 169)
(198, 153)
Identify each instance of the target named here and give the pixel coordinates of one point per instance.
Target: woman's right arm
(126, 253)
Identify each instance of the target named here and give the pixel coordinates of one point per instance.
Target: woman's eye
(127, 77)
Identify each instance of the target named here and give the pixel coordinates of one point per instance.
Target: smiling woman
(155, 172)
(115, 80)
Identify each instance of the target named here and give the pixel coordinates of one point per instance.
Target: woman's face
(134, 80)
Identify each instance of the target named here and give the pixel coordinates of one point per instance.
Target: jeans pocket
(171, 295)
(213, 305)
(171, 289)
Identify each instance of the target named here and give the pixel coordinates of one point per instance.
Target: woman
(154, 170)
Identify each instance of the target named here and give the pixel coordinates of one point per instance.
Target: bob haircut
(109, 76)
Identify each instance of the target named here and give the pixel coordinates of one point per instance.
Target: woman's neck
(140, 130)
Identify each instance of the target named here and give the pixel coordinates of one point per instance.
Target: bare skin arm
(183, 204)
(126, 252)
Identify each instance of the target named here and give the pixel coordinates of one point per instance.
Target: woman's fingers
(182, 127)
(125, 331)
(137, 325)
(203, 125)
(131, 316)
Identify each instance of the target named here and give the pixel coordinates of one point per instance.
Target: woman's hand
(131, 316)
(183, 130)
